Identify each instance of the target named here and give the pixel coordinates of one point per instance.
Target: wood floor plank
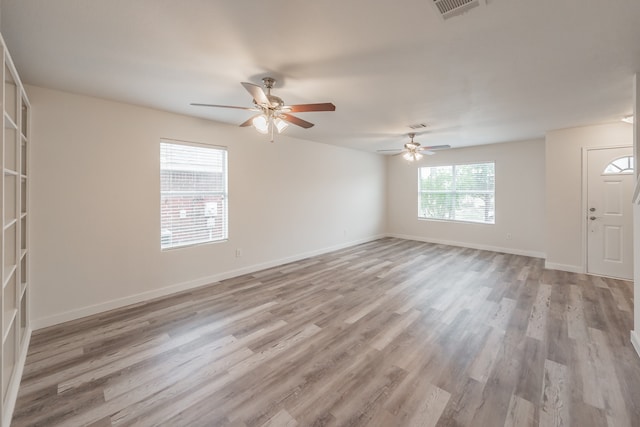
(539, 312)
(363, 311)
(281, 419)
(501, 317)
(386, 336)
(587, 355)
(576, 325)
(608, 381)
(465, 400)
(621, 300)
(483, 364)
(531, 372)
(520, 413)
(386, 333)
(137, 408)
(366, 394)
(57, 377)
(424, 407)
(554, 404)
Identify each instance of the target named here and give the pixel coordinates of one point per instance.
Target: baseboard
(563, 267)
(533, 254)
(184, 286)
(14, 385)
(635, 341)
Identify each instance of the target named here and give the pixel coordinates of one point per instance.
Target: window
(457, 193)
(193, 194)
(621, 165)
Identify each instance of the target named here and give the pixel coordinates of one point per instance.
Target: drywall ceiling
(506, 70)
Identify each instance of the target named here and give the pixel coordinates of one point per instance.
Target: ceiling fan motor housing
(276, 101)
(268, 82)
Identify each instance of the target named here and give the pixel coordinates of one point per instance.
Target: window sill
(455, 221)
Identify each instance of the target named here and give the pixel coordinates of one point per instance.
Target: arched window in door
(620, 165)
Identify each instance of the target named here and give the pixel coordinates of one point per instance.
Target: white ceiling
(507, 70)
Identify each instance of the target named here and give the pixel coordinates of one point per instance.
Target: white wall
(95, 222)
(564, 213)
(520, 199)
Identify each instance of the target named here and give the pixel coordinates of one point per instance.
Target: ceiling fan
(273, 114)
(413, 151)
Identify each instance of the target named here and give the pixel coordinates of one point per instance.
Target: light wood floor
(388, 333)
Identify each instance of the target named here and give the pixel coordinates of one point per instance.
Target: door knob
(592, 209)
(593, 218)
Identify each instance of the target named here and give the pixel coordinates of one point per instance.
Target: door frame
(585, 176)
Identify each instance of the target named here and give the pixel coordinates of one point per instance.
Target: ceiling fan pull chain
(271, 126)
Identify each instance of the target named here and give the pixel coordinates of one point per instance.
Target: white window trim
(224, 194)
(463, 221)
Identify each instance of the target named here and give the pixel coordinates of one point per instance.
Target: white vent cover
(418, 126)
(450, 8)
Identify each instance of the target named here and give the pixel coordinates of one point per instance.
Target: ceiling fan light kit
(261, 124)
(280, 124)
(412, 156)
(273, 115)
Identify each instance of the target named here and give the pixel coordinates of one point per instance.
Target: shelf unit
(14, 239)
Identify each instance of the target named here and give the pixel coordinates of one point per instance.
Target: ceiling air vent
(418, 126)
(450, 8)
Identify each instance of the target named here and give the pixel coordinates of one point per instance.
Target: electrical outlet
(509, 236)
(238, 253)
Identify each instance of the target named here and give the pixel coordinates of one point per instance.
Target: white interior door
(610, 181)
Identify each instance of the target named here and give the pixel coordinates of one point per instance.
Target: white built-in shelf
(8, 224)
(9, 319)
(9, 122)
(7, 279)
(14, 238)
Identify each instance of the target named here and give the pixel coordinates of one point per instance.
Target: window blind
(457, 192)
(193, 194)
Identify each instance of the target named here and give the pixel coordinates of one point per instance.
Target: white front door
(610, 181)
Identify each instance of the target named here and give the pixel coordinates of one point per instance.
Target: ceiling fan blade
(249, 121)
(436, 147)
(219, 106)
(257, 93)
(389, 151)
(303, 108)
(428, 152)
(295, 120)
